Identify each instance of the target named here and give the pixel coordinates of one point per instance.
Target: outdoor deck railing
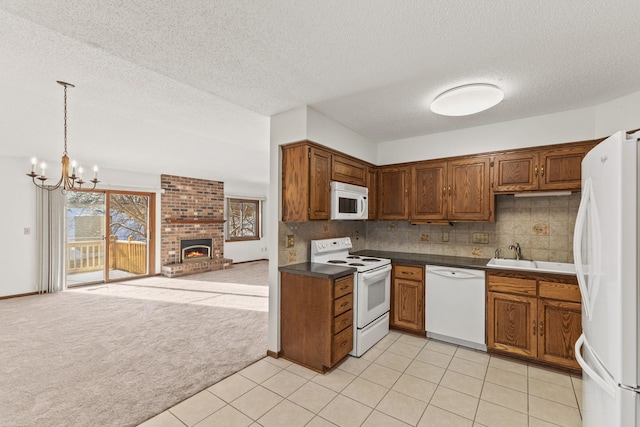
(125, 255)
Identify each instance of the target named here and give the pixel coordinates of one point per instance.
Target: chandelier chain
(65, 119)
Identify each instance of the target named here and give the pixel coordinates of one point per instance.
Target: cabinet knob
(542, 170)
(534, 327)
(536, 171)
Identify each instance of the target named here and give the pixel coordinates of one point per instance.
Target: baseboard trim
(19, 295)
(274, 354)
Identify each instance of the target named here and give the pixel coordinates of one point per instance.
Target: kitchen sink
(529, 265)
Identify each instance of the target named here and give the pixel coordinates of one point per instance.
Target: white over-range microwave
(349, 201)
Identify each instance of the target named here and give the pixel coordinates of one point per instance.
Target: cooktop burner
(336, 252)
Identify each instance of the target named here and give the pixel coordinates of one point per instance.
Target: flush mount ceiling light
(467, 99)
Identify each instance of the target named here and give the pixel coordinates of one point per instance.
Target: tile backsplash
(542, 225)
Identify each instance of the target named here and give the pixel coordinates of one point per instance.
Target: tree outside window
(243, 219)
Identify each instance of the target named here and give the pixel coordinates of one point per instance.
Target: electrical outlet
(445, 236)
(290, 240)
(27, 230)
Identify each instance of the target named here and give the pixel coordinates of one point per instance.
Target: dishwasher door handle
(454, 274)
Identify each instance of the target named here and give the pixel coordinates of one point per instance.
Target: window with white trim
(243, 219)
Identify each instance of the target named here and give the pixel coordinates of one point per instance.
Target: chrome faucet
(497, 253)
(518, 250)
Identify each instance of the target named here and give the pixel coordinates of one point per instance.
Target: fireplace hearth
(193, 250)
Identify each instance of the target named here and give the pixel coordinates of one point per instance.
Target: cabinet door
(408, 304)
(372, 185)
(306, 319)
(468, 189)
(295, 183)
(347, 170)
(428, 191)
(511, 324)
(393, 193)
(319, 184)
(560, 168)
(516, 172)
(559, 327)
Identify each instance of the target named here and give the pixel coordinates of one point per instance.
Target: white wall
(327, 132)
(575, 125)
(18, 252)
(619, 114)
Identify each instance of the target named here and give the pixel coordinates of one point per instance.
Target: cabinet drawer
(343, 321)
(342, 344)
(343, 286)
(512, 285)
(411, 272)
(560, 291)
(343, 304)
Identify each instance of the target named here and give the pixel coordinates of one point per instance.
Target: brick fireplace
(192, 210)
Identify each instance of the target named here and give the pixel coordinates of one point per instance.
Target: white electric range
(371, 289)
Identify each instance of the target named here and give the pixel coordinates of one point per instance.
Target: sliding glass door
(108, 236)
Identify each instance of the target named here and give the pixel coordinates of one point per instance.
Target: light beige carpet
(80, 359)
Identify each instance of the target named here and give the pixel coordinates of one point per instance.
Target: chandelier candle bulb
(43, 166)
(95, 172)
(73, 167)
(34, 164)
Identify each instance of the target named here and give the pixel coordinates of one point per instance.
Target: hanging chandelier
(68, 182)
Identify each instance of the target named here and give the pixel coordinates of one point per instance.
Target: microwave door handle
(361, 204)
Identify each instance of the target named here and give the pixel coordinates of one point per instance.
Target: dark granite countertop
(426, 259)
(318, 270)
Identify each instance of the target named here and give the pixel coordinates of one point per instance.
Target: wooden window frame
(258, 208)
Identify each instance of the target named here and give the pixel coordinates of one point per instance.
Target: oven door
(373, 294)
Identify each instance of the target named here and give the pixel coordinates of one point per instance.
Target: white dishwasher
(455, 306)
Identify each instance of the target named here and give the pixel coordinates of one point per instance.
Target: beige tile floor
(402, 381)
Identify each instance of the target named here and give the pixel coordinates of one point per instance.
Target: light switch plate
(290, 240)
(445, 236)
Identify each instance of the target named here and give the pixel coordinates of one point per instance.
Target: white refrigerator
(606, 253)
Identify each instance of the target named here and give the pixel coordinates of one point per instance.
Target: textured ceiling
(372, 65)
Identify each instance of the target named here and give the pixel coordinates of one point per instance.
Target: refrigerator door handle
(608, 386)
(588, 286)
(577, 248)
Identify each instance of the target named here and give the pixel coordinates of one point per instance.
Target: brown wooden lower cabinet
(316, 319)
(407, 298)
(534, 317)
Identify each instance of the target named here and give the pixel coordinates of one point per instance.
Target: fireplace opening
(195, 249)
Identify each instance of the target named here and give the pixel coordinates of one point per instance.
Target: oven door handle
(374, 275)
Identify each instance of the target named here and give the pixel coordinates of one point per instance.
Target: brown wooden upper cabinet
(554, 168)
(393, 192)
(456, 190)
(348, 170)
(372, 185)
(306, 176)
